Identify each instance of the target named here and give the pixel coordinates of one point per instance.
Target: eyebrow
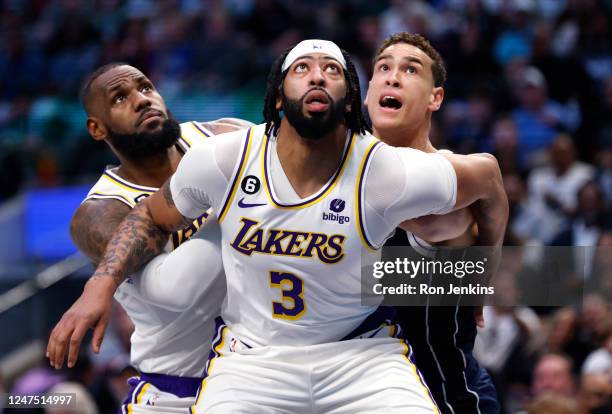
(309, 57)
(117, 86)
(408, 58)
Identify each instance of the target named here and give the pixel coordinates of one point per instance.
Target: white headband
(306, 47)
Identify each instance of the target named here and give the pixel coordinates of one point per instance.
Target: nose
(141, 101)
(393, 79)
(316, 76)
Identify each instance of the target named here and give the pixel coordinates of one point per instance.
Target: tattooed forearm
(136, 241)
(93, 224)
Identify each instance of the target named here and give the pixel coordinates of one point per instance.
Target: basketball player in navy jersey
(405, 89)
(294, 336)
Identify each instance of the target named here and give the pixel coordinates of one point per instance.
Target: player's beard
(146, 144)
(318, 124)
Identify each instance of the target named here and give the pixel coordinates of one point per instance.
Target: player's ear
(279, 100)
(279, 97)
(435, 98)
(96, 129)
(365, 100)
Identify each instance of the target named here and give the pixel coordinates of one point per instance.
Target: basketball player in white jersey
(407, 86)
(171, 304)
(300, 200)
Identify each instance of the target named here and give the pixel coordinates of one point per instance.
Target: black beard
(318, 125)
(146, 144)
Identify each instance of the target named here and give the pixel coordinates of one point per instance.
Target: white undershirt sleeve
(202, 176)
(404, 183)
(175, 280)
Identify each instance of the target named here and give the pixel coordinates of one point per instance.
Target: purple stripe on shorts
(180, 386)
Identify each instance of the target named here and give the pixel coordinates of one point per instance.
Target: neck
(309, 164)
(150, 171)
(412, 136)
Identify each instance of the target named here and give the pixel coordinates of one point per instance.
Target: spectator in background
(553, 404)
(83, 402)
(504, 144)
(603, 264)
(553, 373)
(553, 190)
(604, 166)
(538, 119)
(600, 360)
(584, 230)
(577, 334)
(470, 131)
(520, 222)
(594, 321)
(594, 393)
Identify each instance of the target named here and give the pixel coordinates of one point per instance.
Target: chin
(151, 127)
(385, 123)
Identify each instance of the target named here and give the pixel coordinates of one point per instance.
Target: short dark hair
(85, 91)
(355, 121)
(438, 69)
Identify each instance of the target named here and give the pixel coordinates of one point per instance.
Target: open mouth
(390, 102)
(316, 101)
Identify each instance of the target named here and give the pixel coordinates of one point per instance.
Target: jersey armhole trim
(200, 129)
(184, 142)
(115, 179)
(359, 197)
(237, 175)
(102, 196)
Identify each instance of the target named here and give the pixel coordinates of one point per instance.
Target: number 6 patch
(250, 184)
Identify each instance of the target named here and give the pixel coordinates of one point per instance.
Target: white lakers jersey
(164, 341)
(293, 270)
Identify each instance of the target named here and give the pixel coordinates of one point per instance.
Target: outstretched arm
(479, 182)
(137, 239)
(140, 236)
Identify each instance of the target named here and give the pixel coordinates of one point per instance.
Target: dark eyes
(330, 68)
(120, 97)
(383, 67)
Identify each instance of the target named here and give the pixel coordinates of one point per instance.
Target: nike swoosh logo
(242, 204)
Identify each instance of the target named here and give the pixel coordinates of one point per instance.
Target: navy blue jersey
(442, 338)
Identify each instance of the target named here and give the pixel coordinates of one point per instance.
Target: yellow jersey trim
(243, 162)
(317, 197)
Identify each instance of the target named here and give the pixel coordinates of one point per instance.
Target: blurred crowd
(529, 81)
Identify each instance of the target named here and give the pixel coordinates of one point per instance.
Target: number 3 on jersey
(292, 289)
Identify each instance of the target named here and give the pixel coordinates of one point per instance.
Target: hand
(91, 310)
(479, 317)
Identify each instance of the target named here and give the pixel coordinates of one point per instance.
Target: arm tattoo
(136, 241)
(93, 225)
